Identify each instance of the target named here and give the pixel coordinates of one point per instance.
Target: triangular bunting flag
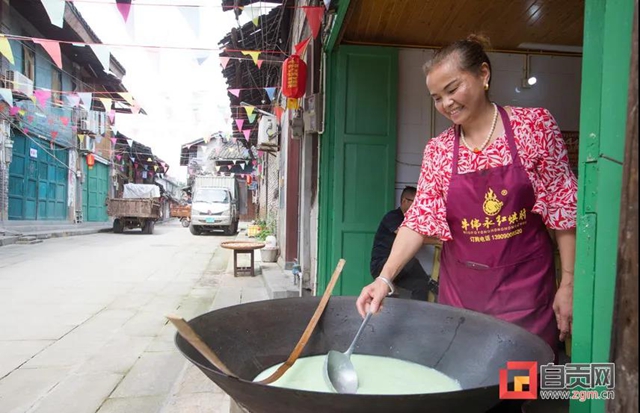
(235, 92)
(251, 117)
(64, 120)
(128, 97)
(103, 55)
(81, 137)
(55, 10)
(201, 60)
(217, 168)
(314, 18)
(114, 140)
(327, 3)
(253, 53)
(14, 110)
(300, 47)
(256, 21)
(7, 96)
(54, 134)
(124, 6)
(112, 116)
(247, 133)
(53, 48)
(155, 167)
(86, 98)
(192, 18)
(234, 140)
(106, 102)
(239, 123)
(224, 61)
(118, 156)
(130, 142)
(135, 109)
(5, 49)
(271, 92)
(206, 139)
(259, 63)
(73, 99)
(42, 96)
(249, 109)
(149, 160)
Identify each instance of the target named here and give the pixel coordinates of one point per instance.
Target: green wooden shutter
(357, 162)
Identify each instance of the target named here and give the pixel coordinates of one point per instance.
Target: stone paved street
(84, 328)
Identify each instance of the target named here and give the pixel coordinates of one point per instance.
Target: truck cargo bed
(134, 208)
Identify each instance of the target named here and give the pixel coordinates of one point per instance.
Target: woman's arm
(405, 246)
(563, 302)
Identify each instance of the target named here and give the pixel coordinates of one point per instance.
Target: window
(56, 87)
(29, 63)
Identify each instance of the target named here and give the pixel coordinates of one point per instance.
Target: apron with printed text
(501, 259)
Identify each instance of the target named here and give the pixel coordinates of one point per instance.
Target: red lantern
(248, 179)
(91, 160)
(294, 77)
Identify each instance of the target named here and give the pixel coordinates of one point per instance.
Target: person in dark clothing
(412, 277)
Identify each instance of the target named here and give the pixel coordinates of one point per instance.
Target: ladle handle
(358, 334)
(297, 350)
(194, 339)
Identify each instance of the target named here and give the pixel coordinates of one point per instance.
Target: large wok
(465, 345)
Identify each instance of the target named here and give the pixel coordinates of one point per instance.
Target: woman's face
(457, 94)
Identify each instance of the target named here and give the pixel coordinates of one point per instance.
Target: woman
(491, 186)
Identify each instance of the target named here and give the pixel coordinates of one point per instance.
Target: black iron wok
(465, 345)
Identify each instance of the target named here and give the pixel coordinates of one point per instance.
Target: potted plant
(267, 234)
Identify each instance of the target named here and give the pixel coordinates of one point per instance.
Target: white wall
(557, 89)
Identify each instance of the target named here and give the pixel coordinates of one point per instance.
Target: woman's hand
(371, 297)
(563, 307)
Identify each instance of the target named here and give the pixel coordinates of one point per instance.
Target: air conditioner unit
(88, 144)
(267, 131)
(19, 82)
(91, 121)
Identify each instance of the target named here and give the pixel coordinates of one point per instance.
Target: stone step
(28, 240)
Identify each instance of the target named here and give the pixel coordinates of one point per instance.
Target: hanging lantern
(91, 160)
(294, 80)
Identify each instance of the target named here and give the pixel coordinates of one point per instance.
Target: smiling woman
(490, 186)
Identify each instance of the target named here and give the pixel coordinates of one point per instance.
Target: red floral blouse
(542, 153)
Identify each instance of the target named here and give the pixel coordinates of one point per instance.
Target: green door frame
(605, 74)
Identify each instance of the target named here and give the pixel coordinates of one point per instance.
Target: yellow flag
(149, 160)
(253, 53)
(255, 21)
(155, 167)
(249, 109)
(5, 49)
(107, 103)
(128, 97)
(81, 137)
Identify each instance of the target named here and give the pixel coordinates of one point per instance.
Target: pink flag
(247, 133)
(14, 110)
(42, 96)
(112, 116)
(235, 92)
(224, 61)
(239, 123)
(54, 134)
(259, 63)
(118, 157)
(114, 140)
(64, 120)
(124, 6)
(314, 18)
(53, 48)
(234, 140)
(26, 131)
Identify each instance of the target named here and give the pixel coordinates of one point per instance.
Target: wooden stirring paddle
(194, 339)
(297, 350)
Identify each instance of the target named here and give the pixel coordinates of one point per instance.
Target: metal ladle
(339, 373)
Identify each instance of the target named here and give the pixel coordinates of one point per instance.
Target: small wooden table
(242, 247)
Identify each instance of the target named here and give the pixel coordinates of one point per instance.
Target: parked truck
(139, 207)
(216, 204)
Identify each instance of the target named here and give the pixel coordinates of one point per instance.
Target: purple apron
(501, 259)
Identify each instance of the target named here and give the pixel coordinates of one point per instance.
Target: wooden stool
(242, 247)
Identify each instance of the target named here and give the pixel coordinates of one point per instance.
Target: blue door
(37, 180)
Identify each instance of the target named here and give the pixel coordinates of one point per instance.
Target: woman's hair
(470, 52)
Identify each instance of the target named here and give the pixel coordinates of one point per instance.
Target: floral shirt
(542, 152)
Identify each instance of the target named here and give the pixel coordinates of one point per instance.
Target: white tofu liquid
(376, 375)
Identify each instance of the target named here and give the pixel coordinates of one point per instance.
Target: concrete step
(28, 240)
